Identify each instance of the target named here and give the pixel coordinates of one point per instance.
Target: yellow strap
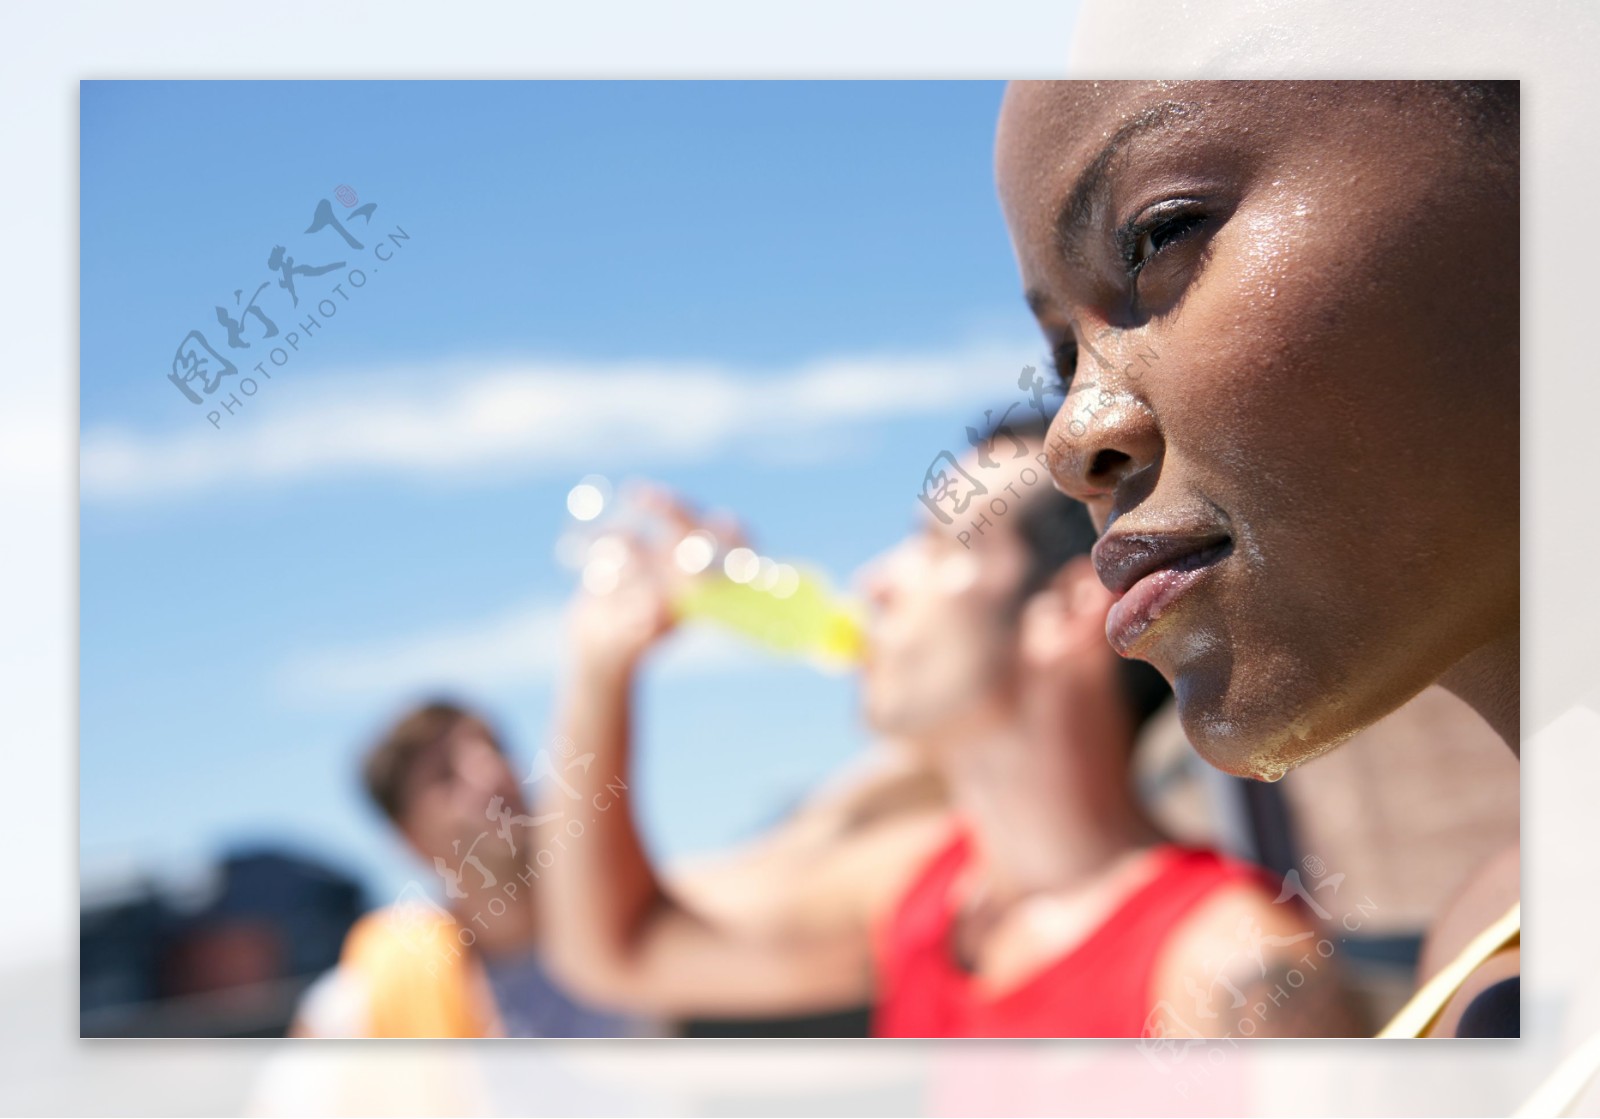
(1425, 1006)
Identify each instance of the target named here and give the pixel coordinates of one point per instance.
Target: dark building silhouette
(233, 967)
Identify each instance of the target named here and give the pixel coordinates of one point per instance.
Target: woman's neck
(1489, 680)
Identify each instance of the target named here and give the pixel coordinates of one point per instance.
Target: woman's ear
(1067, 618)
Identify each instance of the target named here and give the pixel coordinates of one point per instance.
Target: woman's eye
(1147, 247)
(1160, 235)
(1064, 363)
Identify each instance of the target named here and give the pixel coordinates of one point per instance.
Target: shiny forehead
(1079, 119)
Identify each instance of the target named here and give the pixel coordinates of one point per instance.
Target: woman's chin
(1258, 744)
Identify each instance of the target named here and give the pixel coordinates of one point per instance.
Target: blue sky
(784, 299)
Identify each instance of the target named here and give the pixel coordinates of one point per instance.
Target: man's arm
(613, 933)
(1242, 965)
(834, 858)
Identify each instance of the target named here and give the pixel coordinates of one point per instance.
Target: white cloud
(522, 646)
(532, 417)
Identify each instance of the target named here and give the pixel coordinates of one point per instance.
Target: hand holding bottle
(669, 564)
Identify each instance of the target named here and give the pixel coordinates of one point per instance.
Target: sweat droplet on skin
(1194, 644)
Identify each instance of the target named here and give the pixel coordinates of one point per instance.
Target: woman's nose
(1104, 434)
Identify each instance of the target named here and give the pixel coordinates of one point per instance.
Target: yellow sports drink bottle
(783, 608)
(788, 610)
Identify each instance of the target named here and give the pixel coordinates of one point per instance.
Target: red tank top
(1100, 988)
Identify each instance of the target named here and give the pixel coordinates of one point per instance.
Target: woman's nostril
(1105, 463)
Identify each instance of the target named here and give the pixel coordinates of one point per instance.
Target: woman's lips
(1140, 605)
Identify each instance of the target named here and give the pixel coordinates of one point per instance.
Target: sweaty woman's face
(1286, 316)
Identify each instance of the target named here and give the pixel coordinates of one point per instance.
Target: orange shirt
(419, 979)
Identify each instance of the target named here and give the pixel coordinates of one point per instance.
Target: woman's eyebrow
(1077, 211)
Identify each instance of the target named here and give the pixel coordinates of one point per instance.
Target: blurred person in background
(790, 872)
(472, 966)
(1041, 903)
(1295, 417)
